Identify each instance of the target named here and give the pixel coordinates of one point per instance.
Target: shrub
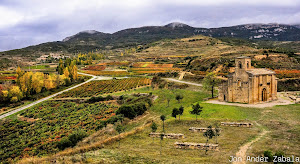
(269, 154)
(71, 140)
(132, 110)
(127, 111)
(64, 143)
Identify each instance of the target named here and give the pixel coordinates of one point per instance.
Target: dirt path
(185, 82)
(241, 154)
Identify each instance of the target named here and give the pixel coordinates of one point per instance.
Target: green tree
(153, 128)
(180, 113)
(209, 82)
(217, 133)
(60, 67)
(161, 139)
(175, 112)
(179, 97)
(163, 118)
(197, 109)
(168, 95)
(120, 129)
(209, 134)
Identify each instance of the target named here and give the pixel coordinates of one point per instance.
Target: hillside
(91, 40)
(202, 53)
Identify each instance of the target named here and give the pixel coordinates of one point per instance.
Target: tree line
(30, 83)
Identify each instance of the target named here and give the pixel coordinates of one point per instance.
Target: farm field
(37, 131)
(38, 67)
(287, 73)
(107, 73)
(150, 68)
(7, 76)
(95, 88)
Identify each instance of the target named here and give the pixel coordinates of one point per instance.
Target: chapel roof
(243, 57)
(260, 71)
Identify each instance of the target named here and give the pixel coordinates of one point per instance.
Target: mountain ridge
(92, 40)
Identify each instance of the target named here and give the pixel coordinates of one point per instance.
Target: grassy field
(38, 67)
(140, 148)
(282, 122)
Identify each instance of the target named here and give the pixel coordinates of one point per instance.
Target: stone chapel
(248, 84)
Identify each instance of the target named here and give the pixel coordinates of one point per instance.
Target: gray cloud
(24, 23)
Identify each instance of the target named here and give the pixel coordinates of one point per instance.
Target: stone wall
(201, 130)
(191, 145)
(168, 135)
(237, 124)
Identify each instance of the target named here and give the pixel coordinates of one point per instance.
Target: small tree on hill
(209, 82)
(209, 134)
(161, 139)
(168, 95)
(179, 97)
(153, 128)
(119, 129)
(175, 112)
(197, 109)
(217, 133)
(181, 109)
(163, 118)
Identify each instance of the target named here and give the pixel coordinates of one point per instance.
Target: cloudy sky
(30, 22)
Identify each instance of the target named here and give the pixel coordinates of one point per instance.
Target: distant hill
(91, 40)
(142, 35)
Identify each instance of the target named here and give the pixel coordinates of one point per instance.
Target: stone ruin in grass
(167, 135)
(237, 124)
(200, 130)
(191, 145)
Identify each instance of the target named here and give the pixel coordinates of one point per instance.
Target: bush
(268, 154)
(64, 143)
(127, 111)
(100, 98)
(71, 140)
(133, 110)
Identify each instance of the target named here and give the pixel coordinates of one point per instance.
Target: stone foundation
(200, 130)
(191, 145)
(237, 124)
(168, 135)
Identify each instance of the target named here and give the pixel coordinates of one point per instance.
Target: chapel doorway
(264, 96)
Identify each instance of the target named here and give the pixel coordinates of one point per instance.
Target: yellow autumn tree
(48, 82)
(55, 80)
(38, 81)
(19, 73)
(66, 72)
(5, 95)
(62, 79)
(73, 71)
(25, 83)
(15, 93)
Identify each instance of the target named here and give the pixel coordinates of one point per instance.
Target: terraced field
(106, 86)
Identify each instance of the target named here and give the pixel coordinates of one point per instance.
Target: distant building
(248, 85)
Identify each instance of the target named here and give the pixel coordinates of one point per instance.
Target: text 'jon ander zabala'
(265, 159)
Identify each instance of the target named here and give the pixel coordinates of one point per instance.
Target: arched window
(240, 65)
(239, 83)
(247, 64)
